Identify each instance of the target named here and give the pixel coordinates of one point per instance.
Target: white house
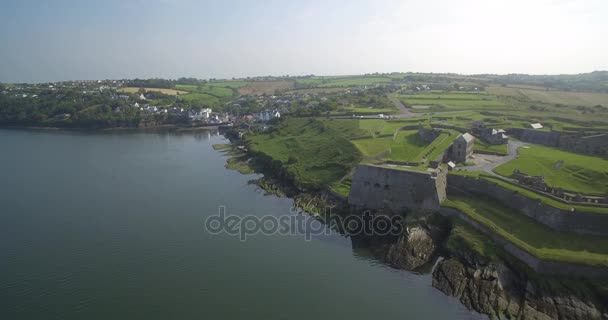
(142, 97)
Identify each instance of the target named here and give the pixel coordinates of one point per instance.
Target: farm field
(588, 99)
(217, 91)
(532, 236)
(172, 92)
(268, 87)
(570, 171)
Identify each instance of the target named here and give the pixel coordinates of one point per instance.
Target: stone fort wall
(579, 222)
(536, 264)
(375, 187)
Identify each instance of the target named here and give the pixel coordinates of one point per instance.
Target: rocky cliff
(493, 287)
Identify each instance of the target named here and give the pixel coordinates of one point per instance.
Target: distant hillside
(596, 81)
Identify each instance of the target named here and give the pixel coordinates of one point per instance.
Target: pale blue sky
(62, 40)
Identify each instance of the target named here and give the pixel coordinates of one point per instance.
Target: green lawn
(408, 146)
(481, 145)
(373, 146)
(531, 236)
(314, 153)
(561, 169)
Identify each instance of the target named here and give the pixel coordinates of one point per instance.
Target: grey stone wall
(579, 222)
(376, 187)
(547, 138)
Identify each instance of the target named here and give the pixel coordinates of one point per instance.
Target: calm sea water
(111, 226)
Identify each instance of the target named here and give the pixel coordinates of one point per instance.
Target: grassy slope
(319, 151)
(531, 236)
(578, 172)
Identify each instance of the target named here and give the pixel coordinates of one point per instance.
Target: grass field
(373, 147)
(531, 236)
(551, 96)
(408, 146)
(172, 92)
(561, 169)
(316, 155)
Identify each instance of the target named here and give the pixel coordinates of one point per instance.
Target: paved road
(489, 168)
(403, 111)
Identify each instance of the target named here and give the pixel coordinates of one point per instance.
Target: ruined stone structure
(535, 182)
(428, 134)
(376, 187)
(462, 147)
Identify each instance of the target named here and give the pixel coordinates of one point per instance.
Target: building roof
(536, 126)
(466, 137)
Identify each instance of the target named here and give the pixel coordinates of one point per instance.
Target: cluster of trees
(50, 108)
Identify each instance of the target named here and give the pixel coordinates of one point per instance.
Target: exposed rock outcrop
(493, 288)
(416, 247)
(412, 250)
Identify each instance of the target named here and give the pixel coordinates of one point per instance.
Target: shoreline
(180, 128)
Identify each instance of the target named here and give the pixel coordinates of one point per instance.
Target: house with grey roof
(462, 147)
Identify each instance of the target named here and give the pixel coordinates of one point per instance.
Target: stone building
(462, 148)
(494, 136)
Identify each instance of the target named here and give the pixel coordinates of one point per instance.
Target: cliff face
(493, 288)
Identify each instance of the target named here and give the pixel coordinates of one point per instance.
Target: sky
(115, 39)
